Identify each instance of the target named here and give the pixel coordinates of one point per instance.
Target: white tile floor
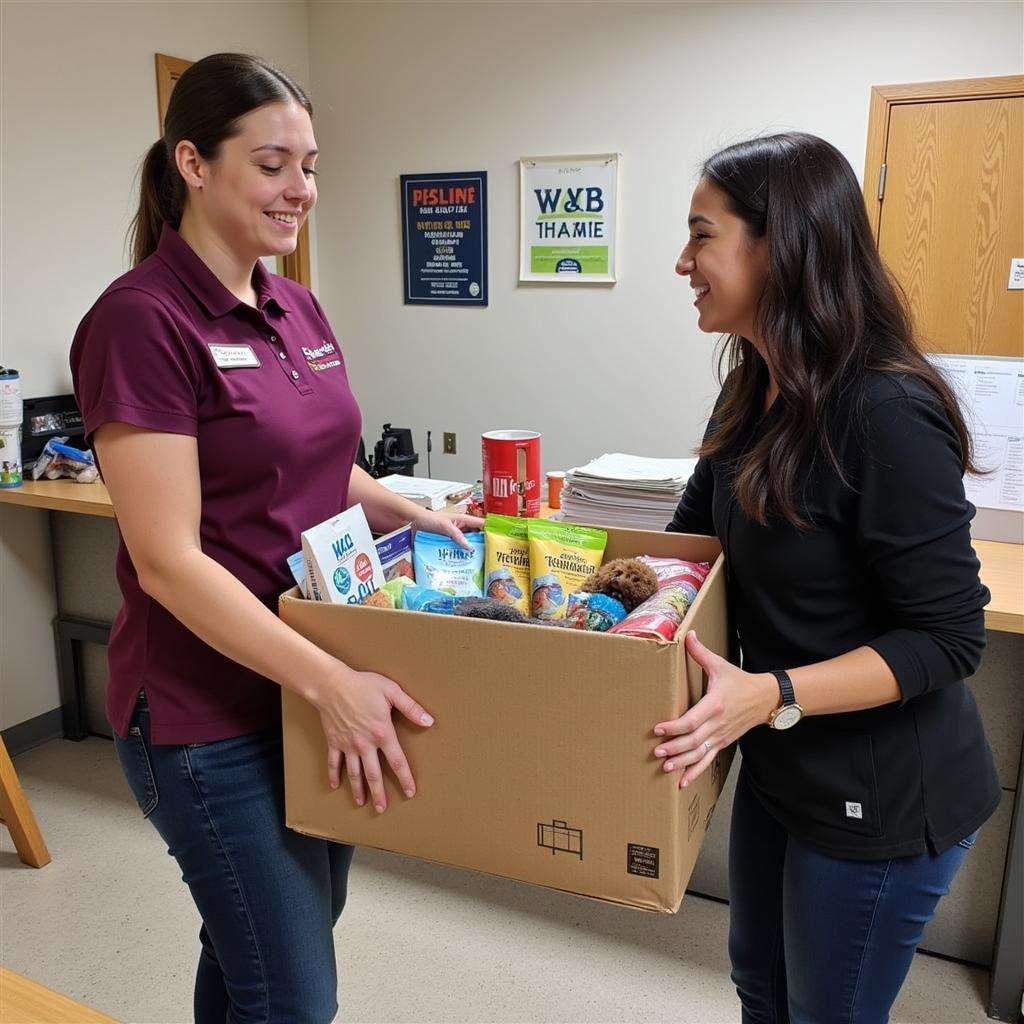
(110, 923)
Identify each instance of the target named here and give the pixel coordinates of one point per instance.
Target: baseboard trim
(34, 732)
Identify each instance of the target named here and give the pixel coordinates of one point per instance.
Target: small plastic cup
(555, 481)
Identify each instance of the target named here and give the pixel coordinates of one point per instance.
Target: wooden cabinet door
(952, 218)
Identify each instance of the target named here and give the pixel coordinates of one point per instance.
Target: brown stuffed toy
(628, 580)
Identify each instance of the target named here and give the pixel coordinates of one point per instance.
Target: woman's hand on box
(355, 712)
(448, 525)
(735, 702)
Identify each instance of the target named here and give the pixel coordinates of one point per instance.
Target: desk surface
(61, 496)
(1002, 565)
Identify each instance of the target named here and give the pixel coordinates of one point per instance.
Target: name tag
(229, 357)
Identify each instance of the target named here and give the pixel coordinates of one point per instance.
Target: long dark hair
(828, 314)
(208, 101)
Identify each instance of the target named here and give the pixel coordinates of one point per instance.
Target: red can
(512, 472)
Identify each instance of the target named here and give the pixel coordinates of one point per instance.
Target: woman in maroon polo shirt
(216, 397)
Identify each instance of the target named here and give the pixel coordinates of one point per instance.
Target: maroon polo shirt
(265, 393)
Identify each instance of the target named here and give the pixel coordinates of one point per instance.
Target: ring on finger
(707, 746)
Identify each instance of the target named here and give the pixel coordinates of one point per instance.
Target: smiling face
(727, 267)
(255, 195)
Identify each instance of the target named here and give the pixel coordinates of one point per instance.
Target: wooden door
(949, 210)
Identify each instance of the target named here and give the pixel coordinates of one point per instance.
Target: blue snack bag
(594, 612)
(441, 564)
(422, 599)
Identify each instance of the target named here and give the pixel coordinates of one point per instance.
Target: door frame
(885, 97)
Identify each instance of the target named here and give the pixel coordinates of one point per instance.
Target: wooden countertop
(60, 496)
(1002, 571)
(1002, 565)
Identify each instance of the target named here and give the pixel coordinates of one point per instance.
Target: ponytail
(161, 192)
(207, 104)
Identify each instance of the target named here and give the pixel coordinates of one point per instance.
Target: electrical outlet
(449, 443)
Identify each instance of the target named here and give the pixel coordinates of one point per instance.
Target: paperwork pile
(625, 491)
(431, 494)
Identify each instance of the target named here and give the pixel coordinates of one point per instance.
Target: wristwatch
(788, 713)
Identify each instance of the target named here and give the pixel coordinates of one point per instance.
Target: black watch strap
(785, 686)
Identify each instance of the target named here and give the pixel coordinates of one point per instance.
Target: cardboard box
(540, 764)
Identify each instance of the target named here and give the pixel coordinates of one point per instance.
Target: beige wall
(78, 111)
(406, 87)
(421, 87)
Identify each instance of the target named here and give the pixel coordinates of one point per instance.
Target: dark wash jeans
(821, 940)
(269, 897)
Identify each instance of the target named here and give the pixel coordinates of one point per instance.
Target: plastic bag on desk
(59, 460)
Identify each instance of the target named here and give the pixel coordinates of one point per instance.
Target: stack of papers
(431, 494)
(629, 491)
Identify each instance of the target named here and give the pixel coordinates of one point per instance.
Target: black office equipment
(394, 453)
(47, 417)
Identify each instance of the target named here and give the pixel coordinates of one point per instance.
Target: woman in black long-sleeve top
(832, 472)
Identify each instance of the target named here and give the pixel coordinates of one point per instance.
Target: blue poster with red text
(444, 238)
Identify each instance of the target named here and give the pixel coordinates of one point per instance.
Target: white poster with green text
(569, 216)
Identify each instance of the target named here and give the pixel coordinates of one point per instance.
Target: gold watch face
(787, 717)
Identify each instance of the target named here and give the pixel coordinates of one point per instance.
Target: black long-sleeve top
(887, 563)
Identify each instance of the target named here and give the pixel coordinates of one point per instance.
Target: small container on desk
(555, 482)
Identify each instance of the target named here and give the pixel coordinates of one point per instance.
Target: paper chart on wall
(991, 393)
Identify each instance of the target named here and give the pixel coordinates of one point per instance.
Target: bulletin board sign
(990, 390)
(444, 238)
(568, 218)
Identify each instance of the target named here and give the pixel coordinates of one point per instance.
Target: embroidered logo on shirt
(325, 357)
(854, 810)
(230, 357)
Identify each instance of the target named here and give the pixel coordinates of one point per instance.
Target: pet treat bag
(341, 559)
(674, 572)
(659, 617)
(395, 553)
(507, 561)
(596, 613)
(561, 558)
(442, 564)
(423, 599)
(390, 595)
(297, 567)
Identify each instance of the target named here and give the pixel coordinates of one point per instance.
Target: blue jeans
(820, 940)
(269, 897)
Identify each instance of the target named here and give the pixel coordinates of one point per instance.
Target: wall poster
(444, 238)
(568, 218)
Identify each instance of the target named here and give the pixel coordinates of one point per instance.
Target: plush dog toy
(628, 580)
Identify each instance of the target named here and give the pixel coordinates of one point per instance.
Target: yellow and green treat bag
(507, 561)
(561, 558)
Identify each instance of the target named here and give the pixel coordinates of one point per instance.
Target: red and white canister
(512, 472)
